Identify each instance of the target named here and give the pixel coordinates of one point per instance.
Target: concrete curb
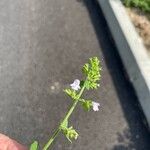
(131, 49)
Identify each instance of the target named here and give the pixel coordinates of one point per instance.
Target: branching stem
(56, 133)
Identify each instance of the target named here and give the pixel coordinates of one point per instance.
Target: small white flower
(95, 106)
(75, 85)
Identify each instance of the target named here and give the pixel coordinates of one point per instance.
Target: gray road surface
(43, 45)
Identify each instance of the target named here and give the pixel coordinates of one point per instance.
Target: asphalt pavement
(43, 45)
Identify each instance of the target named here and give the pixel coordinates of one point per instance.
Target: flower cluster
(92, 71)
(87, 104)
(70, 133)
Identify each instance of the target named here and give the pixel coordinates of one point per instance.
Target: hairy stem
(52, 139)
(48, 144)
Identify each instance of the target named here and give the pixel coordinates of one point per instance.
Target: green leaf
(85, 68)
(87, 104)
(144, 5)
(70, 133)
(87, 84)
(71, 93)
(34, 146)
(82, 83)
(93, 73)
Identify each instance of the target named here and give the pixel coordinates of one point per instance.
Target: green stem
(52, 139)
(48, 144)
(74, 105)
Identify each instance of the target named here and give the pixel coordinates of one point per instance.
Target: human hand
(7, 143)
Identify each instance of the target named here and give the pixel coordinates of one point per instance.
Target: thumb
(7, 143)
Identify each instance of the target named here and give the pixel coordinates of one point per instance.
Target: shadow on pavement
(126, 94)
